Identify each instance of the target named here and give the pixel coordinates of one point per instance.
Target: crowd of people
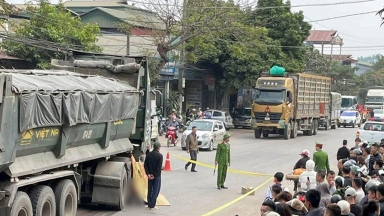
(357, 188)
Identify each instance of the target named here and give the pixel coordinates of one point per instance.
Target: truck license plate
(267, 119)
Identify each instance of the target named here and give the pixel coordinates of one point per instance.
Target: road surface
(195, 194)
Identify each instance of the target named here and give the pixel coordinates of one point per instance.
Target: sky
(362, 34)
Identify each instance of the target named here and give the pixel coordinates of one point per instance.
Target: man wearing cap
(343, 152)
(350, 197)
(152, 165)
(321, 159)
(345, 208)
(223, 160)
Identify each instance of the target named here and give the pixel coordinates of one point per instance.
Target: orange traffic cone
(167, 166)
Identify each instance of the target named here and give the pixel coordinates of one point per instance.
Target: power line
(348, 15)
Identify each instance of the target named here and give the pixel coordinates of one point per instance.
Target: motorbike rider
(208, 114)
(175, 124)
(193, 115)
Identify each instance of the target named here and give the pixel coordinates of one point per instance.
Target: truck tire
(295, 129)
(287, 131)
(315, 127)
(43, 201)
(310, 131)
(22, 205)
(257, 133)
(265, 134)
(66, 198)
(123, 192)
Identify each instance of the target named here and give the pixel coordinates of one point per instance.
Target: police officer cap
(336, 198)
(226, 136)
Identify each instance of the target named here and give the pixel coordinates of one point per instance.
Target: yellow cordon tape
(237, 199)
(213, 167)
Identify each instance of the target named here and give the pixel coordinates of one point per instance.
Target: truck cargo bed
(313, 95)
(55, 119)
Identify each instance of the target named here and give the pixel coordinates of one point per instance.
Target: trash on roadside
(245, 190)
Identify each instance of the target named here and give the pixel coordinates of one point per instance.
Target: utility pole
(182, 58)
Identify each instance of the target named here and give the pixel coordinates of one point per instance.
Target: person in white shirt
(278, 178)
(357, 184)
(307, 179)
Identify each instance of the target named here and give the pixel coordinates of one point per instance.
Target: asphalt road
(195, 194)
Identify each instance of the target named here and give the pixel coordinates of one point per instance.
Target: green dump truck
(67, 137)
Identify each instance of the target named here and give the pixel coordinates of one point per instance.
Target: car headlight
(205, 136)
(249, 120)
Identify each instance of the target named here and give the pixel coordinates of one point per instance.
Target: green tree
(379, 64)
(286, 27)
(317, 63)
(381, 14)
(49, 31)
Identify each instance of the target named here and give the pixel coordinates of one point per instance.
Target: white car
(209, 133)
(378, 113)
(349, 118)
(372, 131)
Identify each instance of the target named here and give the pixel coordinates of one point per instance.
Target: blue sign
(169, 68)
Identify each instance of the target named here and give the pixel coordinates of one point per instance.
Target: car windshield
(374, 126)
(348, 114)
(269, 96)
(201, 125)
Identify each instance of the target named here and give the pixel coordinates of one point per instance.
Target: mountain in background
(369, 59)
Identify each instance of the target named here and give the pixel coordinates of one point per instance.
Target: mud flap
(107, 182)
(140, 183)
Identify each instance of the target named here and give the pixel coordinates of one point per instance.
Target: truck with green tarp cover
(67, 137)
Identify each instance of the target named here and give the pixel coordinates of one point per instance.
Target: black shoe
(186, 167)
(224, 187)
(218, 188)
(193, 171)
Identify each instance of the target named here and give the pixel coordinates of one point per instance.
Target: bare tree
(173, 22)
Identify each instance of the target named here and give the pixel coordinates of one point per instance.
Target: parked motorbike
(171, 136)
(162, 126)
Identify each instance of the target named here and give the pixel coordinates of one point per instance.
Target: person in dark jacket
(380, 198)
(312, 202)
(374, 156)
(301, 163)
(343, 152)
(152, 166)
(303, 160)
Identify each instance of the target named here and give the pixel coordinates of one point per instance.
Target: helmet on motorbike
(193, 110)
(336, 198)
(173, 110)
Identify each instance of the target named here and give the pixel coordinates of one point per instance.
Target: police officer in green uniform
(320, 158)
(223, 160)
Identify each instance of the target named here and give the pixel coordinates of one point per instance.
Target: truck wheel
(295, 129)
(66, 198)
(315, 127)
(265, 134)
(22, 205)
(287, 131)
(257, 133)
(310, 131)
(123, 192)
(43, 201)
(305, 133)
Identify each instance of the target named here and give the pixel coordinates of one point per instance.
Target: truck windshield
(375, 99)
(346, 102)
(269, 96)
(247, 112)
